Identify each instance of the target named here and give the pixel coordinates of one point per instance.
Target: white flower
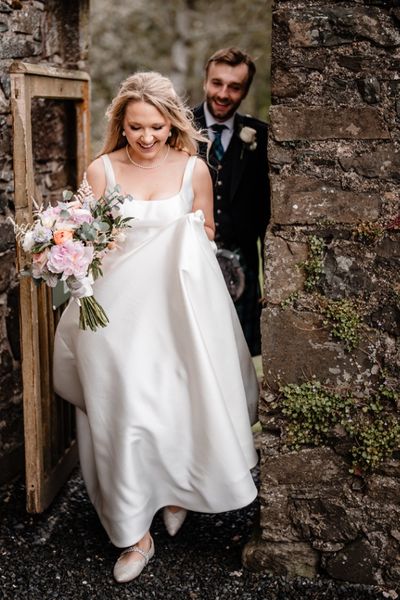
(248, 135)
(28, 242)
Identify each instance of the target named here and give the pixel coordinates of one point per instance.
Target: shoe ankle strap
(135, 548)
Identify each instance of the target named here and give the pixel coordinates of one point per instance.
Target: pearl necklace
(145, 166)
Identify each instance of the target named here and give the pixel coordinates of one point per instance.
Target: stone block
(348, 271)
(5, 106)
(390, 468)
(358, 562)
(387, 317)
(370, 89)
(5, 83)
(381, 515)
(7, 237)
(26, 22)
(325, 518)
(282, 274)
(307, 468)
(296, 559)
(275, 521)
(305, 200)
(327, 122)
(384, 490)
(353, 62)
(297, 347)
(7, 270)
(5, 363)
(15, 46)
(328, 26)
(384, 163)
(278, 157)
(285, 84)
(5, 137)
(388, 252)
(4, 7)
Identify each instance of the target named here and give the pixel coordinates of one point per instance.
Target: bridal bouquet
(68, 241)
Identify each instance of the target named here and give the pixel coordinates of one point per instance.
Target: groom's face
(225, 87)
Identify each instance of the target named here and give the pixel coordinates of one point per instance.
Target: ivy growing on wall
(344, 320)
(317, 413)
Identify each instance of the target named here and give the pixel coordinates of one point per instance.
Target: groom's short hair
(233, 57)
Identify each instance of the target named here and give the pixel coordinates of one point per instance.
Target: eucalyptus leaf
(67, 195)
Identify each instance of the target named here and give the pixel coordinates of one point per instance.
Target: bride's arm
(203, 196)
(96, 177)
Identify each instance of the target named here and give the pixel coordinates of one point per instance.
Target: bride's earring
(170, 133)
(123, 133)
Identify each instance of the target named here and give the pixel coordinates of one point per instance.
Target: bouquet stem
(91, 314)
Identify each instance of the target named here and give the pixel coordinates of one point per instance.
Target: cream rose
(248, 135)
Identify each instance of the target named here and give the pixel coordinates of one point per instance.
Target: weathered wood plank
(24, 187)
(50, 447)
(47, 71)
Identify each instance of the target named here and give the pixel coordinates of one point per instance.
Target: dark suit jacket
(245, 189)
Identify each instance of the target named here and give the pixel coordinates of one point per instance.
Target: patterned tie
(217, 147)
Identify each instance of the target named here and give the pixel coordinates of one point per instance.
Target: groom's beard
(223, 109)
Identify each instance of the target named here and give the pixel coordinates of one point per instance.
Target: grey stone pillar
(330, 468)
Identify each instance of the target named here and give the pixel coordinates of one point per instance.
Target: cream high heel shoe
(127, 570)
(173, 520)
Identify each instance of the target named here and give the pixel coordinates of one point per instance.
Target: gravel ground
(64, 554)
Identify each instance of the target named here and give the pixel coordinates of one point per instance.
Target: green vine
(314, 412)
(289, 300)
(313, 266)
(344, 320)
(373, 442)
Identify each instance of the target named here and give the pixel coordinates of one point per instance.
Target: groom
(238, 166)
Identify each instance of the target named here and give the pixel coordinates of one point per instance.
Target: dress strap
(109, 171)
(187, 188)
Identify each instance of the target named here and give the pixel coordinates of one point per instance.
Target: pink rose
(70, 258)
(49, 216)
(81, 215)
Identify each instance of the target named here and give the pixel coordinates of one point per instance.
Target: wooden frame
(49, 455)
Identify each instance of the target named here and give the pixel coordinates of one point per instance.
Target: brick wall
(329, 504)
(53, 33)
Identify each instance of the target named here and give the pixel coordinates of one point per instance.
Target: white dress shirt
(227, 133)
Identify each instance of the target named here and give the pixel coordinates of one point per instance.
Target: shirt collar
(210, 120)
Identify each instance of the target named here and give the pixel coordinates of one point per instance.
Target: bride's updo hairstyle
(153, 88)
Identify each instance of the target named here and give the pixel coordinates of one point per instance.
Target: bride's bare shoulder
(176, 156)
(96, 177)
(201, 169)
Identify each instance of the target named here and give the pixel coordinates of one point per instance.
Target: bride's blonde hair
(157, 90)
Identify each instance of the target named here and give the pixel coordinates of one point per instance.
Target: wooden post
(50, 451)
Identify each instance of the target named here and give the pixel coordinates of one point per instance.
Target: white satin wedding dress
(166, 392)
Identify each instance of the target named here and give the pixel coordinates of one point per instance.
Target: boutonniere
(248, 135)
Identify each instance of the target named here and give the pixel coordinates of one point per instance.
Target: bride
(167, 392)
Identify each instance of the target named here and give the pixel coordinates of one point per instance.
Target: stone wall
(53, 33)
(330, 468)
